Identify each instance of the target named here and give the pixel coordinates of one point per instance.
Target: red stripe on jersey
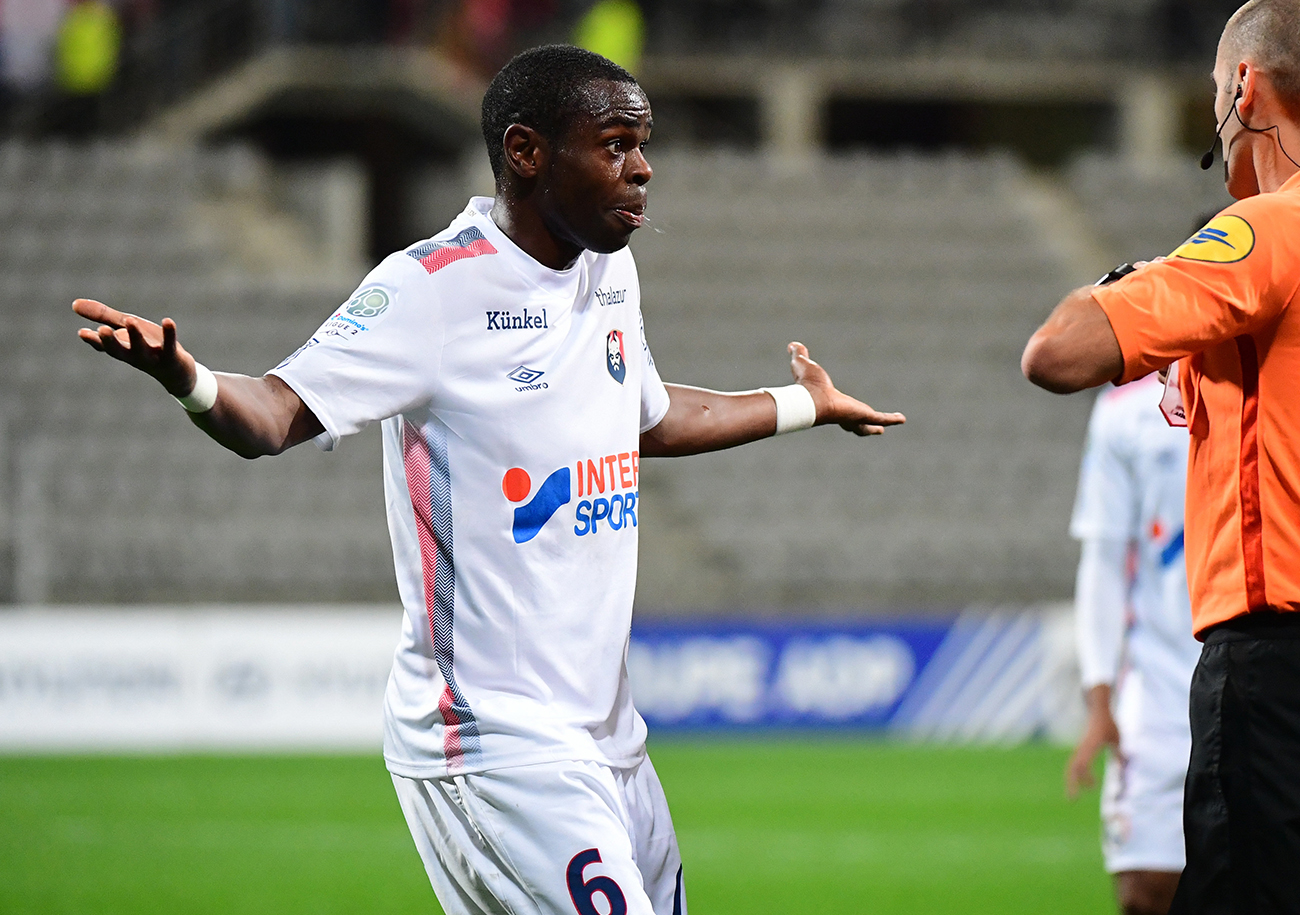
(418, 463)
(451, 747)
(440, 257)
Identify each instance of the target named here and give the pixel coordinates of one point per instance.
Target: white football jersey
(1131, 489)
(513, 397)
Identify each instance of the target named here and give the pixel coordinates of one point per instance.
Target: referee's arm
(1076, 347)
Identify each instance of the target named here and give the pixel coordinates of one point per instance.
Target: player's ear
(526, 151)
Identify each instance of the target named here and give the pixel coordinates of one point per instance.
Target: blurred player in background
(1219, 313)
(1136, 649)
(506, 358)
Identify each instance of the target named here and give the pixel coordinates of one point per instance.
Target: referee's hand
(151, 348)
(834, 406)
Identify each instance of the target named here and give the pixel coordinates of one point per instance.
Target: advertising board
(313, 678)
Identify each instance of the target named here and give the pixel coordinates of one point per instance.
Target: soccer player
(505, 357)
(1134, 624)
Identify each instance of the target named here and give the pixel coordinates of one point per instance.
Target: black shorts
(1241, 811)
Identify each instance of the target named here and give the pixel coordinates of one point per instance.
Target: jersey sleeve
(654, 396)
(1230, 278)
(1100, 599)
(377, 356)
(1106, 505)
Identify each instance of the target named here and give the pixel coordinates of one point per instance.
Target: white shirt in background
(1132, 604)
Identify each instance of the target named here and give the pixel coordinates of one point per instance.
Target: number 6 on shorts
(582, 892)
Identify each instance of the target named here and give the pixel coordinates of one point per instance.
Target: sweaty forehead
(603, 99)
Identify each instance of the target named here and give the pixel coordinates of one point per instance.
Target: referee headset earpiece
(1208, 159)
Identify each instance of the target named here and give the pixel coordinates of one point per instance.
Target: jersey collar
(562, 283)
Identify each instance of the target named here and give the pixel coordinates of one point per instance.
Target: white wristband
(795, 409)
(204, 395)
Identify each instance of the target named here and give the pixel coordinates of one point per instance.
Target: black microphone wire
(1277, 135)
(1208, 159)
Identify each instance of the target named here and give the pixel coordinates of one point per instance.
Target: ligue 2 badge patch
(615, 361)
(1226, 240)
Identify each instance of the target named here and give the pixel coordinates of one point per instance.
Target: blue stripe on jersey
(444, 588)
(1172, 550)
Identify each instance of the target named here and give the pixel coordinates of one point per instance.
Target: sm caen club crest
(615, 360)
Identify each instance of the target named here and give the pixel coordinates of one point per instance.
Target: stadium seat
(1141, 214)
(914, 279)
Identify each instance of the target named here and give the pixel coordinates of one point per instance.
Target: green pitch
(792, 826)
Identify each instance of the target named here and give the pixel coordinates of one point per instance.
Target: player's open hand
(151, 348)
(833, 406)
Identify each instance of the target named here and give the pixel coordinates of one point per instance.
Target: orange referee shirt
(1225, 303)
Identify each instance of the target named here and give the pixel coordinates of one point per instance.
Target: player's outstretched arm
(1076, 347)
(699, 420)
(251, 416)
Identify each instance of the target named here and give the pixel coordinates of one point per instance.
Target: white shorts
(577, 838)
(1142, 799)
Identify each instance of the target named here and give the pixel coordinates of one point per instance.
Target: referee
(1219, 313)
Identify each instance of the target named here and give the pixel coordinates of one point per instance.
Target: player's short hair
(542, 89)
(1267, 32)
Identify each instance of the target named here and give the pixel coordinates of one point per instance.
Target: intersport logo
(606, 489)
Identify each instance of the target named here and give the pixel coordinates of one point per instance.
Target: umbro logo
(527, 378)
